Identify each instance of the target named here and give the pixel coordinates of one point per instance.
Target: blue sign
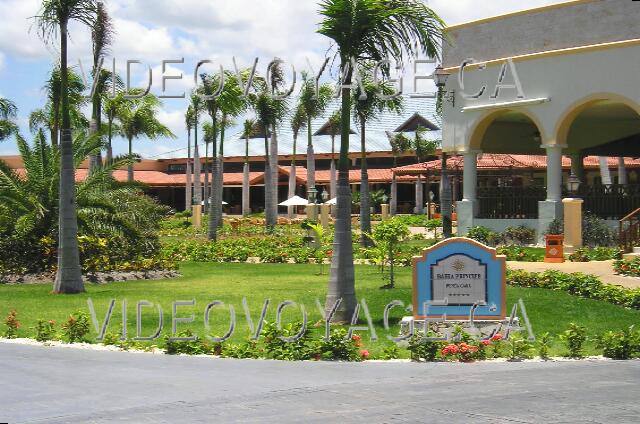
(458, 275)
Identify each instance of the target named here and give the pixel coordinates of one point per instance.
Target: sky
(155, 30)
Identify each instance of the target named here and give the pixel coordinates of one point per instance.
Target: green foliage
(556, 227)
(188, 347)
(276, 348)
(480, 234)
(587, 254)
(12, 324)
(578, 284)
(339, 347)
(423, 349)
(574, 338)
(544, 344)
(595, 231)
(627, 267)
(390, 352)
(521, 235)
(518, 347)
(76, 328)
(521, 254)
(45, 330)
(623, 344)
(246, 350)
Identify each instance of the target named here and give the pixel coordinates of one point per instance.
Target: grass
(548, 311)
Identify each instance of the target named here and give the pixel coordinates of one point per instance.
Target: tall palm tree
(298, 122)
(367, 30)
(422, 149)
(188, 193)
(314, 104)
(54, 16)
(247, 132)
(334, 128)
(101, 37)
(367, 106)
(400, 143)
(137, 117)
(50, 116)
(8, 112)
(110, 105)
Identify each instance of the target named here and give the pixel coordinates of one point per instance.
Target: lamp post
(440, 77)
(325, 196)
(313, 194)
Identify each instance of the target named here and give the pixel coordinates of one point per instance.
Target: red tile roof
(492, 161)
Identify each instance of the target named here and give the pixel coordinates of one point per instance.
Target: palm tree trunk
(220, 177)
(332, 169)
(365, 209)
(246, 188)
(109, 145)
(393, 199)
(95, 161)
(292, 178)
(130, 166)
(212, 232)
(270, 220)
(342, 277)
(275, 174)
(311, 160)
(188, 194)
(419, 209)
(69, 274)
(197, 174)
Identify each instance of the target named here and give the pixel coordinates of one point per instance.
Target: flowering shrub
(76, 328)
(12, 324)
(45, 330)
(587, 254)
(423, 349)
(519, 254)
(340, 348)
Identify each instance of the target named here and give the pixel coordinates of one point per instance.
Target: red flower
(496, 338)
(364, 354)
(486, 342)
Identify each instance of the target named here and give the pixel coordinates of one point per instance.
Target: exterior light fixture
(325, 196)
(440, 76)
(385, 198)
(313, 192)
(573, 184)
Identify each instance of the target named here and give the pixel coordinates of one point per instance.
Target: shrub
(339, 347)
(276, 348)
(544, 344)
(596, 232)
(574, 338)
(12, 325)
(556, 227)
(246, 350)
(587, 254)
(620, 344)
(481, 234)
(518, 347)
(521, 235)
(45, 330)
(76, 327)
(423, 349)
(390, 352)
(519, 254)
(188, 347)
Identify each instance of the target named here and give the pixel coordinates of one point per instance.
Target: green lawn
(548, 311)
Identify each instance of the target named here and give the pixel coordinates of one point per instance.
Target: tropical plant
(50, 116)
(387, 235)
(422, 148)
(247, 133)
(137, 117)
(400, 143)
(54, 16)
(189, 121)
(196, 107)
(8, 112)
(314, 102)
(298, 122)
(369, 100)
(367, 30)
(101, 37)
(29, 213)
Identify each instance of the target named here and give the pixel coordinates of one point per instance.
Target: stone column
(467, 209)
(622, 172)
(385, 211)
(551, 208)
(324, 215)
(419, 208)
(572, 224)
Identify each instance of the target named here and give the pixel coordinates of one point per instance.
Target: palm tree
(106, 208)
(189, 123)
(270, 113)
(422, 149)
(137, 117)
(314, 105)
(55, 16)
(101, 37)
(247, 132)
(367, 30)
(109, 107)
(196, 107)
(298, 122)
(400, 143)
(8, 112)
(368, 105)
(50, 116)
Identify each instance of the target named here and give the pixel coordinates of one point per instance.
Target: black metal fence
(609, 201)
(510, 202)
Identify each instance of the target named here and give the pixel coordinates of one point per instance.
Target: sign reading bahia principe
(459, 277)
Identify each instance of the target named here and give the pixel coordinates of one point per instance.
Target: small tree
(387, 236)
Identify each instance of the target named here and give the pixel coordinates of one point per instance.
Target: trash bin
(553, 251)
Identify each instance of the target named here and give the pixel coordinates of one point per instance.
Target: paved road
(59, 385)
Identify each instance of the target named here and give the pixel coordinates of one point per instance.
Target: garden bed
(91, 277)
